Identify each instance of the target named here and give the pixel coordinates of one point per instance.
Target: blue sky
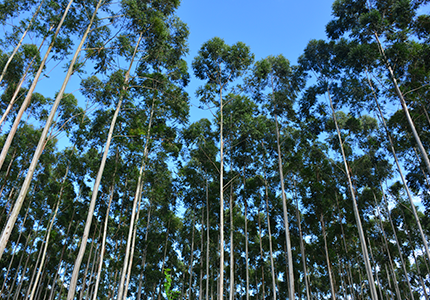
(269, 27)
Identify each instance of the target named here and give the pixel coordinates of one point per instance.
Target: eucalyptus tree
(283, 83)
(220, 64)
(7, 230)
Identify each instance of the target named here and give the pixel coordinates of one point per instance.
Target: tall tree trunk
(102, 250)
(399, 169)
(145, 250)
(400, 251)
(285, 210)
(15, 50)
(72, 286)
(231, 244)
(388, 252)
(191, 258)
(272, 265)
(221, 208)
(302, 246)
(245, 201)
(404, 106)
(286, 223)
(376, 269)
(330, 276)
(128, 260)
(24, 189)
(207, 237)
(201, 256)
(261, 257)
(33, 292)
(27, 99)
(368, 266)
(14, 251)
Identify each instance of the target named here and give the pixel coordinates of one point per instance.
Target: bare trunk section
(191, 259)
(128, 260)
(414, 211)
(221, 209)
(302, 246)
(286, 223)
(49, 234)
(330, 276)
(231, 244)
(261, 257)
(272, 265)
(356, 212)
(24, 189)
(72, 287)
(404, 106)
(20, 41)
(27, 99)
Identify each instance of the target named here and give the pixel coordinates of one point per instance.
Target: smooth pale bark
(84, 280)
(221, 208)
(144, 252)
(103, 246)
(302, 246)
(272, 265)
(400, 251)
(27, 100)
(246, 237)
(24, 189)
(286, 223)
(348, 270)
(78, 261)
(207, 238)
(376, 270)
(15, 50)
(45, 248)
(388, 252)
(399, 169)
(367, 264)
(231, 244)
(330, 276)
(14, 251)
(404, 106)
(6, 176)
(128, 260)
(201, 256)
(261, 256)
(191, 258)
(15, 94)
(33, 276)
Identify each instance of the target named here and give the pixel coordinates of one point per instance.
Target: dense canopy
(306, 182)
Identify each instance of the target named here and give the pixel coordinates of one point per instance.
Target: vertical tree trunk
(401, 174)
(128, 260)
(201, 256)
(245, 201)
(27, 99)
(24, 189)
(191, 259)
(333, 292)
(221, 209)
(302, 246)
(207, 238)
(272, 265)
(368, 266)
(261, 257)
(231, 244)
(404, 106)
(15, 50)
(78, 261)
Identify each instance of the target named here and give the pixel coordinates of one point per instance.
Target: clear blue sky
(269, 27)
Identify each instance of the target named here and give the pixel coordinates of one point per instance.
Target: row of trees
(302, 186)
